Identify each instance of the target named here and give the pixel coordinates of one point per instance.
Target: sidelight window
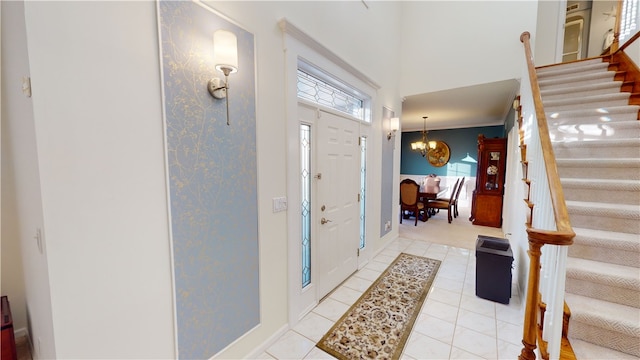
(305, 181)
(363, 189)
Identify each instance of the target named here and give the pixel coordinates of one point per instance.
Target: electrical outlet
(387, 225)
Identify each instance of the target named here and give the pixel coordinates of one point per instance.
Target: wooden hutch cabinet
(486, 206)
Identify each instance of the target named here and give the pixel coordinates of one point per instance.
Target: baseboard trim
(233, 343)
(22, 335)
(22, 332)
(255, 354)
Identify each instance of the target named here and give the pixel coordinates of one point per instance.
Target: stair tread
(599, 162)
(587, 100)
(604, 110)
(572, 66)
(603, 205)
(600, 85)
(576, 63)
(600, 142)
(606, 86)
(594, 114)
(582, 306)
(629, 276)
(572, 70)
(603, 184)
(563, 129)
(632, 240)
(600, 125)
(587, 351)
(599, 111)
(604, 114)
(629, 212)
(564, 79)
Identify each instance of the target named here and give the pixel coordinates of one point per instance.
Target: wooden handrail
(563, 235)
(628, 42)
(557, 195)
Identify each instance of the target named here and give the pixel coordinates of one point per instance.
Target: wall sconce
(225, 58)
(394, 125)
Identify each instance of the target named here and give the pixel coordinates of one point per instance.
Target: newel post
(529, 336)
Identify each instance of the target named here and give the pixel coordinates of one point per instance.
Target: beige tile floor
(453, 323)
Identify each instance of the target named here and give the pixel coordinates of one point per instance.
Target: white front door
(337, 212)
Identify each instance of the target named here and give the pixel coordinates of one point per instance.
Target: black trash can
(493, 269)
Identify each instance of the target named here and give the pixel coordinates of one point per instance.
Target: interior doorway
(572, 49)
(576, 31)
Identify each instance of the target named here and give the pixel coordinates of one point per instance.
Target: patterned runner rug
(378, 325)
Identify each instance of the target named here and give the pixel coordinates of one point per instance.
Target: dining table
(425, 195)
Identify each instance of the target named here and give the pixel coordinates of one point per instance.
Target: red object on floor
(8, 344)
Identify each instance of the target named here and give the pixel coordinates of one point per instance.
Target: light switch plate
(279, 204)
(26, 86)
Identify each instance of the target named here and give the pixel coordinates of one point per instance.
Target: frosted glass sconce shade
(394, 125)
(225, 58)
(225, 51)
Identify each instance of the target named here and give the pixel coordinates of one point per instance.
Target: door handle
(324, 221)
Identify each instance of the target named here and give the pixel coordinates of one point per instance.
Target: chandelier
(423, 146)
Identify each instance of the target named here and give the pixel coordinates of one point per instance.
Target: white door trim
(301, 301)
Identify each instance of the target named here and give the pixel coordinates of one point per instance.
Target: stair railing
(632, 46)
(547, 222)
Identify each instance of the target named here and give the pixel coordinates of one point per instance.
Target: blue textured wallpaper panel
(212, 180)
(386, 196)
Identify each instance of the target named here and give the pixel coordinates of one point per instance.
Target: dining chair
(444, 204)
(410, 199)
(453, 192)
(455, 199)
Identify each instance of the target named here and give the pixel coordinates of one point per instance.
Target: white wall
(21, 201)
(600, 24)
(450, 44)
(12, 282)
(98, 124)
(546, 41)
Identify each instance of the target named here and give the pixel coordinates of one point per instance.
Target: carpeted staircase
(596, 139)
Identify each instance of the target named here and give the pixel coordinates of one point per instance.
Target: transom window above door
(319, 88)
